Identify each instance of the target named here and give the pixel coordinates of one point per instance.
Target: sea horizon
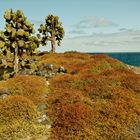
(130, 58)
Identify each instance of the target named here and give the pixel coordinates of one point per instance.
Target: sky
(90, 25)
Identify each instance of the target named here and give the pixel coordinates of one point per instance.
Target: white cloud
(94, 22)
(77, 32)
(88, 25)
(124, 41)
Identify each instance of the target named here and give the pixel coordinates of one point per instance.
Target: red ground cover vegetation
(101, 101)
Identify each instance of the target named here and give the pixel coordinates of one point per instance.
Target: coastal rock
(135, 69)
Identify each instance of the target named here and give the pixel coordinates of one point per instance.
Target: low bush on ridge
(33, 87)
(16, 108)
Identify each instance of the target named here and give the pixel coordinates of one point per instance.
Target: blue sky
(90, 25)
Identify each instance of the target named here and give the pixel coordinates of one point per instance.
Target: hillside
(97, 98)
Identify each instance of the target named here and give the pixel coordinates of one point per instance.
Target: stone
(48, 75)
(49, 66)
(61, 69)
(3, 96)
(38, 72)
(25, 71)
(12, 74)
(45, 120)
(42, 107)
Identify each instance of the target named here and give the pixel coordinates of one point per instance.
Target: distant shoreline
(129, 58)
(110, 52)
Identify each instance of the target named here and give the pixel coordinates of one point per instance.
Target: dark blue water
(132, 58)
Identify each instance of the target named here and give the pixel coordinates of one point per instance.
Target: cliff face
(98, 98)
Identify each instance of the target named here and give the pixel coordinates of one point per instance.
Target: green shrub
(16, 107)
(33, 87)
(23, 130)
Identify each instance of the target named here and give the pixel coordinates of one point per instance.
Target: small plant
(5, 75)
(19, 130)
(32, 87)
(16, 107)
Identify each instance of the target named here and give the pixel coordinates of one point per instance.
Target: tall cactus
(2, 42)
(52, 31)
(4, 51)
(18, 33)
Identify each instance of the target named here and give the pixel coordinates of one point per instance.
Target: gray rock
(61, 69)
(47, 83)
(3, 96)
(41, 118)
(48, 75)
(42, 107)
(25, 71)
(12, 74)
(38, 72)
(49, 66)
(45, 120)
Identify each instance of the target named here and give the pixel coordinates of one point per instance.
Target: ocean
(131, 58)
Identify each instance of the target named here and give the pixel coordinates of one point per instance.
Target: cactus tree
(2, 44)
(18, 35)
(52, 31)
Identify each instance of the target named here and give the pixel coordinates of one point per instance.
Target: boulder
(61, 69)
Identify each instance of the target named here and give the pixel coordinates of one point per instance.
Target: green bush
(23, 130)
(16, 107)
(34, 88)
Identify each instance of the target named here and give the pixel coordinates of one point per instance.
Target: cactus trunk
(16, 60)
(53, 43)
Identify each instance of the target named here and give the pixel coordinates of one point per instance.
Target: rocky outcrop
(135, 69)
